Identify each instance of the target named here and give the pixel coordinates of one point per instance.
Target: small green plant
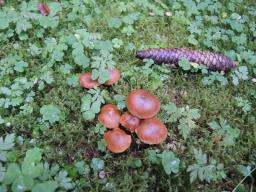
(30, 174)
(97, 164)
(184, 115)
(51, 113)
(240, 74)
(205, 169)
(225, 131)
(100, 66)
(134, 162)
(154, 75)
(91, 103)
(185, 64)
(6, 144)
(215, 76)
(244, 104)
(167, 159)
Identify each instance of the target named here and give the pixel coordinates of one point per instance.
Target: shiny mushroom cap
(114, 76)
(129, 121)
(87, 82)
(142, 104)
(152, 131)
(109, 116)
(117, 140)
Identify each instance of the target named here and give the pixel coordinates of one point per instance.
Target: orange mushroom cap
(152, 131)
(117, 140)
(142, 104)
(109, 116)
(114, 76)
(87, 82)
(129, 121)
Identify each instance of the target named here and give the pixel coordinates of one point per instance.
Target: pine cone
(213, 61)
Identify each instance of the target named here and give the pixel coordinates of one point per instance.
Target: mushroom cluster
(142, 107)
(87, 82)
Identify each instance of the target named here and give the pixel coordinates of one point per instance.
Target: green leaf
(65, 69)
(170, 162)
(184, 128)
(7, 143)
(102, 145)
(129, 30)
(55, 7)
(245, 170)
(64, 181)
(97, 164)
(114, 23)
(73, 80)
(95, 108)
(49, 186)
(50, 44)
(117, 43)
(80, 165)
(193, 176)
(22, 183)
(48, 22)
(185, 64)
(82, 60)
(23, 25)
(103, 76)
(12, 172)
(50, 113)
(4, 24)
(129, 19)
(3, 188)
(20, 66)
(153, 156)
(214, 125)
(95, 74)
(47, 77)
(120, 100)
(86, 102)
(134, 162)
(29, 166)
(192, 40)
(224, 129)
(88, 116)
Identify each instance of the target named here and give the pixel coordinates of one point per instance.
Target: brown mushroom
(152, 131)
(129, 121)
(142, 104)
(87, 82)
(109, 116)
(114, 76)
(117, 140)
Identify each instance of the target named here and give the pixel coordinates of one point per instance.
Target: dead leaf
(44, 9)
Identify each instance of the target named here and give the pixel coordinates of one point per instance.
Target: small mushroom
(87, 82)
(114, 76)
(142, 104)
(109, 116)
(152, 131)
(117, 140)
(129, 121)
